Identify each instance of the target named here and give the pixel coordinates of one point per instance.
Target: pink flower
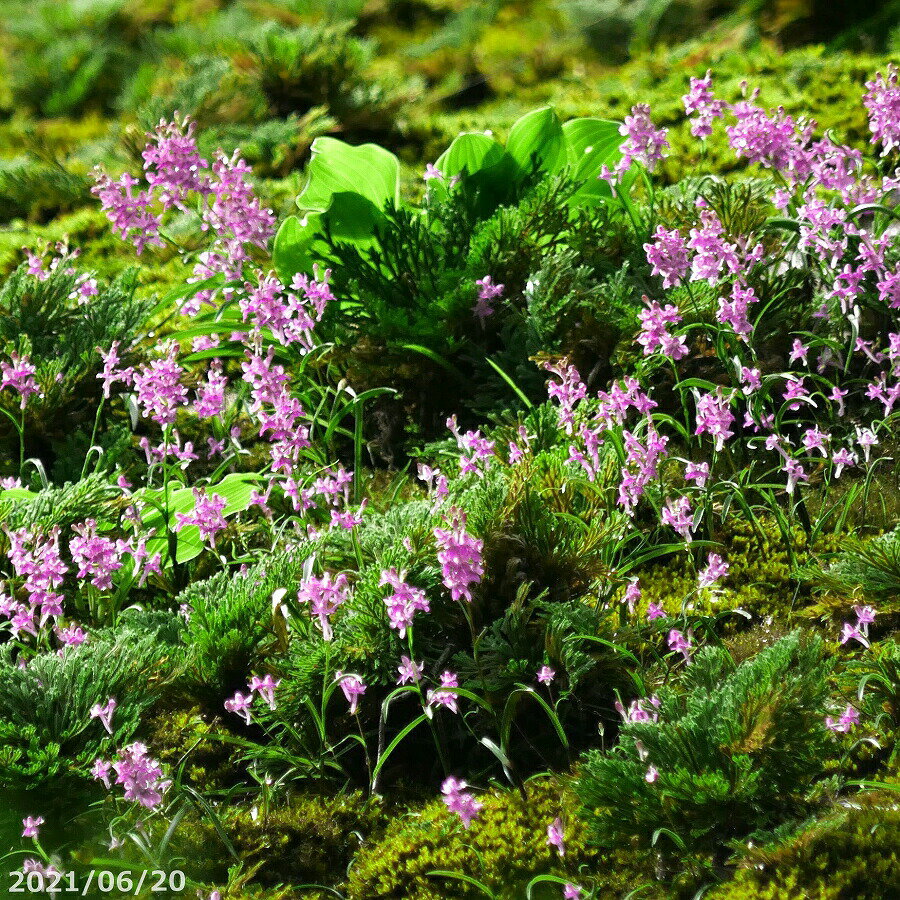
(353, 687)
(668, 255)
(716, 569)
(632, 594)
(404, 602)
(18, 374)
(105, 713)
(655, 611)
(240, 705)
(883, 103)
(444, 695)
(545, 675)
(459, 801)
(714, 417)
(31, 826)
(849, 718)
(852, 633)
(460, 557)
(571, 892)
(265, 687)
(555, 836)
(643, 142)
(325, 598)
(410, 671)
(207, 515)
(679, 515)
(100, 771)
(487, 292)
(652, 775)
(701, 101)
(680, 644)
(141, 776)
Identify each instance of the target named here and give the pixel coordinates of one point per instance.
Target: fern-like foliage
(736, 749)
(46, 731)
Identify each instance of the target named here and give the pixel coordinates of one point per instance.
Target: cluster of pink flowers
(460, 557)
(404, 602)
(859, 630)
(460, 801)
(139, 774)
(240, 704)
(324, 597)
(18, 374)
(207, 515)
(487, 293)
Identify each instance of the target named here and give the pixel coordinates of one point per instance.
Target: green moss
(853, 854)
(504, 848)
(187, 737)
(761, 579)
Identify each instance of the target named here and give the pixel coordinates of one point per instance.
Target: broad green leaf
(236, 490)
(538, 137)
(291, 248)
(368, 170)
(591, 144)
(469, 153)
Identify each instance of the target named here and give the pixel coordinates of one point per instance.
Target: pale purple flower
(714, 417)
(31, 826)
(265, 687)
(112, 373)
(141, 776)
(460, 557)
(404, 602)
(158, 386)
(96, 556)
(655, 611)
(172, 163)
(129, 213)
(444, 695)
(545, 675)
(18, 374)
(652, 775)
(100, 771)
(636, 712)
(643, 143)
(716, 569)
(240, 705)
(207, 515)
(105, 713)
(431, 171)
(678, 643)
(865, 615)
(325, 597)
(655, 334)
(848, 719)
(571, 892)
(701, 102)
(632, 594)
(487, 292)
(883, 103)
(697, 472)
(668, 255)
(555, 836)
(852, 632)
(458, 800)
(678, 514)
(353, 687)
(410, 671)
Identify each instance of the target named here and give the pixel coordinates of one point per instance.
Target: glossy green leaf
(537, 138)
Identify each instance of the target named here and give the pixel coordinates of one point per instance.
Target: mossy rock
(851, 855)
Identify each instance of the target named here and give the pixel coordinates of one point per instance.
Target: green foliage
(46, 730)
(63, 505)
(736, 747)
(41, 318)
(851, 853)
(232, 623)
